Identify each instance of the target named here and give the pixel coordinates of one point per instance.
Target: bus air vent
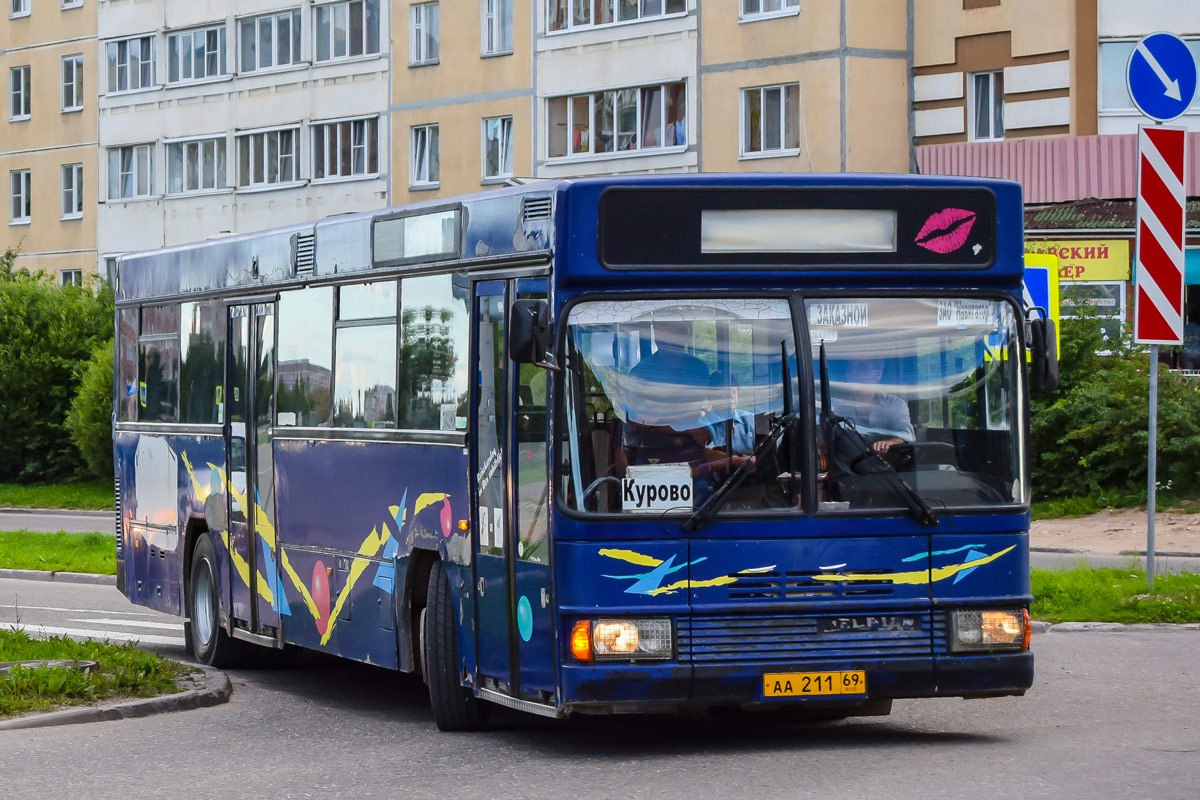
(536, 208)
(306, 252)
(117, 515)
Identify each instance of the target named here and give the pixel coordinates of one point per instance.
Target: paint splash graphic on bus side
(946, 231)
(651, 583)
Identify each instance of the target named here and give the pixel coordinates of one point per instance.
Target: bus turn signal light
(581, 640)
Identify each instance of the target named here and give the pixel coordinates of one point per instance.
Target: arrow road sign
(1158, 275)
(1162, 76)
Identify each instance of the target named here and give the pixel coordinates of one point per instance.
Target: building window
(130, 64)
(72, 191)
(20, 93)
(270, 41)
(568, 14)
(18, 8)
(268, 158)
(771, 120)
(345, 30)
(497, 27)
(20, 191)
(196, 166)
(423, 37)
(72, 4)
(758, 9)
(195, 55)
(618, 120)
(130, 171)
(1114, 63)
(72, 82)
(987, 105)
(70, 277)
(345, 148)
(425, 169)
(497, 148)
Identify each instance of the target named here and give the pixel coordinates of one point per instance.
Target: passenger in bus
(883, 418)
(724, 416)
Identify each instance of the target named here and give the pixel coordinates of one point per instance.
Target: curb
(59, 577)
(1071, 550)
(1162, 553)
(1111, 627)
(212, 689)
(63, 512)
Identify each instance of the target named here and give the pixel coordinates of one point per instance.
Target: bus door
(251, 494)
(512, 570)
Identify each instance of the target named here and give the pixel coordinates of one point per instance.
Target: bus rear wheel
(209, 641)
(455, 708)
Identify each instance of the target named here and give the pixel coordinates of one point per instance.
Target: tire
(455, 708)
(209, 642)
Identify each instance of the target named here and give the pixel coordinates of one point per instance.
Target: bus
(726, 443)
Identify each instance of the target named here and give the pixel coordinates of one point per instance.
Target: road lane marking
(83, 633)
(23, 607)
(133, 623)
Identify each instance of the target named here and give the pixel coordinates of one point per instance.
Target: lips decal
(946, 231)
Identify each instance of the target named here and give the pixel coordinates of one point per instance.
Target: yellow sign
(1087, 259)
(1051, 264)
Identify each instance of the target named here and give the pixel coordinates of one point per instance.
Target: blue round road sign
(1162, 76)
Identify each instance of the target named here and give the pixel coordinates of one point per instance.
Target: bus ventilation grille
(534, 209)
(117, 515)
(306, 253)
(795, 585)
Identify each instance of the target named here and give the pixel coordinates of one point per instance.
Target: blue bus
(597, 446)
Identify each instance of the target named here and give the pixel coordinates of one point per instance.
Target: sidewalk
(1119, 533)
(49, 520)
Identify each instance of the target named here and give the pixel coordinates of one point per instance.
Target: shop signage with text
(1087, 259)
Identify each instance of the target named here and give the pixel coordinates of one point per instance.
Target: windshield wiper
(832, 423)
(712, 505)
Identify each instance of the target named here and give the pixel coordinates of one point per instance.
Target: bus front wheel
(455, 708)
(211, 644)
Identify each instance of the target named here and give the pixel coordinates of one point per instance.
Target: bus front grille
(752, 638)
(800, 584)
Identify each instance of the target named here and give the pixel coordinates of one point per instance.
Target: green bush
(1090, 437)
(46, 333)
(90, 417)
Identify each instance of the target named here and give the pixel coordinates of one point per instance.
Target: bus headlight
(624, 639)
(989, 629)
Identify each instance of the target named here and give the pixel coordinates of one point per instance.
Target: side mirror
(529, 334)
(1043, 369)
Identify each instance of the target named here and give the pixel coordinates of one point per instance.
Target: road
(1112, 715)
(71, 521)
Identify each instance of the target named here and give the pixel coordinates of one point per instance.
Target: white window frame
(994, 77)
(71, 179)
(425, 164)
(19, 8)
(424, 45)
(326, 17)
(503, 123)
(196, 145)
(272, 20)
(783, 151)
(70, 277)
(71, 4)
(787, 8)
(640, 149)
(20, 197)
(20, 93)
(114, 65)
(136, 152)
(259, 141)
(326, 151)
(494, 14)
(72, 83)
(613, 7)
(181, 58)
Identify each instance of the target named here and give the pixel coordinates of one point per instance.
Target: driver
(875, 413)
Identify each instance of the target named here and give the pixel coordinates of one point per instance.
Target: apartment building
(48, 135)
(238, 115)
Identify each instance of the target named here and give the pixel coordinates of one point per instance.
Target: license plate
(811, 684)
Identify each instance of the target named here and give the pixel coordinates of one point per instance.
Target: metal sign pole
(1152, 467)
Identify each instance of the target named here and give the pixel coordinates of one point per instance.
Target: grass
(58, 552)
(1112, 594)
(75, 496)
(122, 671)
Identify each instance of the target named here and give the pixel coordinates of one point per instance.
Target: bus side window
(158, 364)
(305, 361)
(201, 362)
(127, 365)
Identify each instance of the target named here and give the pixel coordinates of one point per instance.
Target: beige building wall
(457, 93)
(50, 137)
(1045, 50)
(851, 63)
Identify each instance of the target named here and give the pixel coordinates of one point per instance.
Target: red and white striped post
(1158, 273)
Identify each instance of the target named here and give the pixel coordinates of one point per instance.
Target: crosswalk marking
(85, 633)
(133, 623)
(23, 607)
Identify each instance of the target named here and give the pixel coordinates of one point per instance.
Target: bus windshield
(667, 398)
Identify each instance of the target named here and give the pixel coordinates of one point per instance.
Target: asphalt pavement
(50, 520)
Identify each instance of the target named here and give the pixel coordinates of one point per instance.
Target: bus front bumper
(670, 686)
